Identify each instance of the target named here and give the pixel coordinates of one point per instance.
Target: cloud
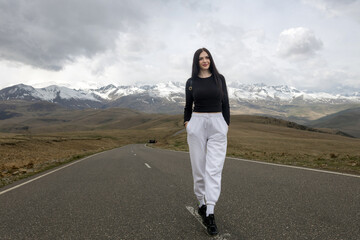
(197, 5)
(336, 8)
(95, 42)
(298, 44)
(327, 80)
(48, 34)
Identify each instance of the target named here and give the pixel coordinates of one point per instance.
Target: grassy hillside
(28, 118)
(347, 121)
(300, 113)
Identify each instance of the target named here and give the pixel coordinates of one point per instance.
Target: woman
(207, 126)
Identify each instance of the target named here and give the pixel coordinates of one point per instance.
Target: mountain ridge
(347, 120)
(174, 92)
(281, 101)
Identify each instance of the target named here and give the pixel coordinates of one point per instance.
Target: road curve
(136, 192)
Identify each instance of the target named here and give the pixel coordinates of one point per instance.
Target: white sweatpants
(207, 139)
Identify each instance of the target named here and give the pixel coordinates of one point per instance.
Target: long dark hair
(212, 68)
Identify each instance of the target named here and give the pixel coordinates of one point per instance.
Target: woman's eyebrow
(203, 57)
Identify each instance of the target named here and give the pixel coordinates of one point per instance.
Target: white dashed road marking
(195, 214)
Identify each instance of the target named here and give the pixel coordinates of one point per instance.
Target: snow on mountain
(166, 89)
(173, 92)
(19, 91)
(127, 90)
(258, 92)
(169, 90)
(102, 92)
(263, 92)
(49, 93)
(111, 92)
(162, 90)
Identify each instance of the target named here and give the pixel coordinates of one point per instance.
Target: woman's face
(204, 61)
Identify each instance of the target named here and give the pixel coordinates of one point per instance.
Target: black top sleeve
(225, 102)
(189, 100)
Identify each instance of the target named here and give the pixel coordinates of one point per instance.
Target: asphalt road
(136, 192)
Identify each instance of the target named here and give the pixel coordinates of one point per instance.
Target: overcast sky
(307, 44)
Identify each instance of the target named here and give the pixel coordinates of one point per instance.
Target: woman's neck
(204, 74)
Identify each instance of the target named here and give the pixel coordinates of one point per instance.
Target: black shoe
(211, 225)
(202, 213)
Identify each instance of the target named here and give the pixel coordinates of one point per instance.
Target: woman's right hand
(186, 123)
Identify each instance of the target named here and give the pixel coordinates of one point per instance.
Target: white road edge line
(147, 165)
(275, 164)
(296, 167)
(68, 165)
(196, 215)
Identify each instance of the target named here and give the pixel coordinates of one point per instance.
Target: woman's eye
(207, 57)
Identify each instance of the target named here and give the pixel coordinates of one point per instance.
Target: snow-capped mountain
(164, 95)
(241, 92)
(64, 96)
(163, 90)
(285, 94)
(50, 93)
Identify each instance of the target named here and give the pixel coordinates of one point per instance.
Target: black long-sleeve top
(206, 97)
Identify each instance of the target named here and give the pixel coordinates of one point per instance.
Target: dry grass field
(274, 142)
(55, 138)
